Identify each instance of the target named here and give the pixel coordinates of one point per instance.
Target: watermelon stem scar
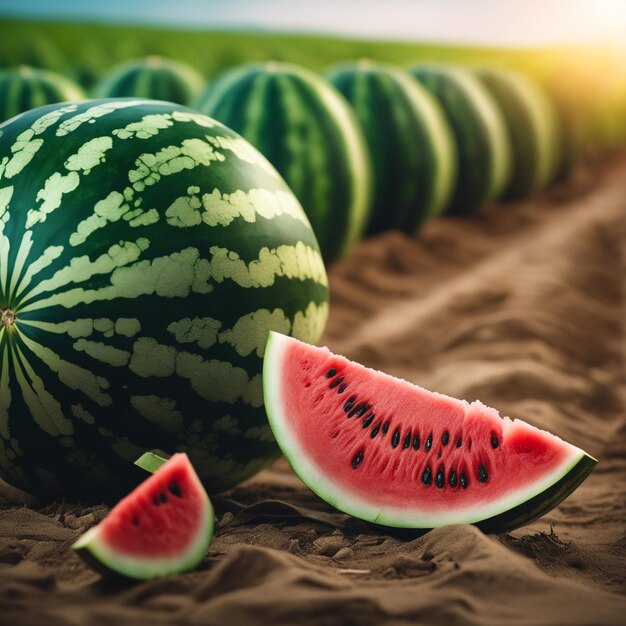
(392, 453)
(7, 318)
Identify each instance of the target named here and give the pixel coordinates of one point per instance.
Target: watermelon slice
(164, 526)
(389, 452)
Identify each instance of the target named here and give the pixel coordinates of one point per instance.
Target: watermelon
(409, 139)
(308, 132)
(25, 88)
(392, 453)
(164, 526)
(483, 148)
(532, 126)
(145, 252)
(153, 77)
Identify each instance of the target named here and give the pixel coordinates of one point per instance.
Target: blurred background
(575, 48)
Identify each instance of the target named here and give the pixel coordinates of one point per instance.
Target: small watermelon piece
(164, 526)
(392, 453)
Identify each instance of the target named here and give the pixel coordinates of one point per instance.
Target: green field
(588, 83)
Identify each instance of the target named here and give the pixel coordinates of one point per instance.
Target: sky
(492, 22)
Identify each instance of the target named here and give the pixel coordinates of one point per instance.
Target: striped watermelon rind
(483, 149)
(308, 132)
(153, 77)
(411, 144)
(145, 252)
(532, 126)
(23, 88)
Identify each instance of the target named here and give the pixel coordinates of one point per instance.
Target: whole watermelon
(153, 77)
(23, 88)
(409, 139)
(308, 132)
(532, 124)
(145, 252)
(483, 148)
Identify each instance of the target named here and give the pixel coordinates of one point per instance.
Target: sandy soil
(522, 307)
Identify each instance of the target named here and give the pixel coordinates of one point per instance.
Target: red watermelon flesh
(390, 452)
(164, 526)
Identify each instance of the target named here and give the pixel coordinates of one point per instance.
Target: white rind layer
(402, 517)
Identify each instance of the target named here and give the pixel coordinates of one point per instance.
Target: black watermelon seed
(356, 461)
(494, 441)
(482, 473)
(375, 431)
(156, 501)
(427, 476)
(336, 382)
(135, 521)
(349, 404)
(342, 388)
(331, 372)
(368, 420)
(416, 442)
(452, 478)
(459, 442)
(360, 412)
(407, 441)
(395, 440)
(445, 438)
(175, 490)
(440, 479)
(386, 427)
(429, 443)
(356, 409)
(163, 497)
(463, 480)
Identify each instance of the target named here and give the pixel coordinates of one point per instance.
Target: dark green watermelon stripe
(128, 84)
(346, 160)
(320, 146)
(523, 135)
(490, 121)
(257, 117)
(401, 124)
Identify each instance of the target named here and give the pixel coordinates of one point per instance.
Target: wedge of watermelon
(164, 526)
(389, 452)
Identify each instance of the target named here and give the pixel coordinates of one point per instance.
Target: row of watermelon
(404, 151)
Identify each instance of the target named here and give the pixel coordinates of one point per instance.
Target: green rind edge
(150, 462)
(539, 505)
